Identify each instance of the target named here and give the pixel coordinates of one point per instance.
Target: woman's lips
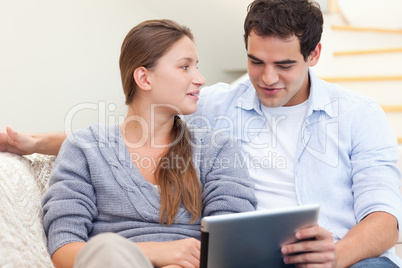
(194, 95)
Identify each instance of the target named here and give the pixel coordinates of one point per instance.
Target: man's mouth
(270, 90)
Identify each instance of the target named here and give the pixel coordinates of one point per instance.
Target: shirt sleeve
(69, 206)
(375, 176)
(227, 186)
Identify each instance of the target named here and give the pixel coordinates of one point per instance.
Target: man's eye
(256, 62)
(285, 67)
(184, 67)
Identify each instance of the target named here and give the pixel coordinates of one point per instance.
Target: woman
(149, 179)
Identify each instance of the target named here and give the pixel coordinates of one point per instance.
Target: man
(307, 141)
(320, 144)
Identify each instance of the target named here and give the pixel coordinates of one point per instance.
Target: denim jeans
(380, 262)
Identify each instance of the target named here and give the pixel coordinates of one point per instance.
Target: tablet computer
(252, 239)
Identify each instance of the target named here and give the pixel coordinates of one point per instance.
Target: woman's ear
(141, 78)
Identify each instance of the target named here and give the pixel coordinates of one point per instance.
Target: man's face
(278, 70)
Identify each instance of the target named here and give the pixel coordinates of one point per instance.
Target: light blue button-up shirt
(346, 152)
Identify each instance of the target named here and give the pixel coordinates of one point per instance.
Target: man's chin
(272, 103)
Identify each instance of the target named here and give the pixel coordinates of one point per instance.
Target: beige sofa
(23, 180)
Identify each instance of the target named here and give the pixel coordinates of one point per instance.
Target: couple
(338, 151)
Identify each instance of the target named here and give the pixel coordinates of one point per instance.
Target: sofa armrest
(22, 239)
(41, 167)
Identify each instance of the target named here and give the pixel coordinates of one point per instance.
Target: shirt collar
(319, 99)
(249, 100)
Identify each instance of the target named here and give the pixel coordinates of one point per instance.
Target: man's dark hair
(286, 18)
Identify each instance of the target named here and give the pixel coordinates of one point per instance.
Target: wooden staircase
(366, 60)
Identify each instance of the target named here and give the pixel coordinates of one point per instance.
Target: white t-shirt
(271, 156)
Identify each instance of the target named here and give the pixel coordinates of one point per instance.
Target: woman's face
(175, 80)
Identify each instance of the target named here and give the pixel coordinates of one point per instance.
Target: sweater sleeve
(227, 186)
(69, 206)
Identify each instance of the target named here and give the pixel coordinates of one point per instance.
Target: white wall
(59, 59)
(56, 55)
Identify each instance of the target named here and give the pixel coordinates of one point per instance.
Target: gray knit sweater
(96, 188)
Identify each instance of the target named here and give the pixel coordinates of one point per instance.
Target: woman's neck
(147, 127)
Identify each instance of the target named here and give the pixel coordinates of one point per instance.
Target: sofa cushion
(23, 180)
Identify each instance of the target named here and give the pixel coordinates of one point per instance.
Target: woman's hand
(315, 248)
(180, 253)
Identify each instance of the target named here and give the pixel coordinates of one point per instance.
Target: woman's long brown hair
(175, 174)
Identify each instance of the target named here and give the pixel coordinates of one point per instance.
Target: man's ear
(314, 55)
(141, 78)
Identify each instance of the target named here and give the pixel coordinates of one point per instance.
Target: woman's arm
(24, 143)
(65, 256)
(183, 253)
(179, 253)
(227, 185)
(69, 205)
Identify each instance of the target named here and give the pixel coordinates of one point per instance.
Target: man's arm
(371, 237)
(23, 143)
(375, 187)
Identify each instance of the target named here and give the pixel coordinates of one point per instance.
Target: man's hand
(23, 143)
(17, 142)
(315, 248)
(180, 253)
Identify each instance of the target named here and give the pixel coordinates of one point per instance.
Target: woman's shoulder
(211, 142)
(208, 135)
(93, 135)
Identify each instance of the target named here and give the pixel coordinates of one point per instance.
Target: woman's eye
(185, 67)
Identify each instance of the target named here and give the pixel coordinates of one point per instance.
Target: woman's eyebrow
(189, 59)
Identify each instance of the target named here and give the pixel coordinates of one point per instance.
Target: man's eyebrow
(254, 58)
(285, 62)
(282, 62)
